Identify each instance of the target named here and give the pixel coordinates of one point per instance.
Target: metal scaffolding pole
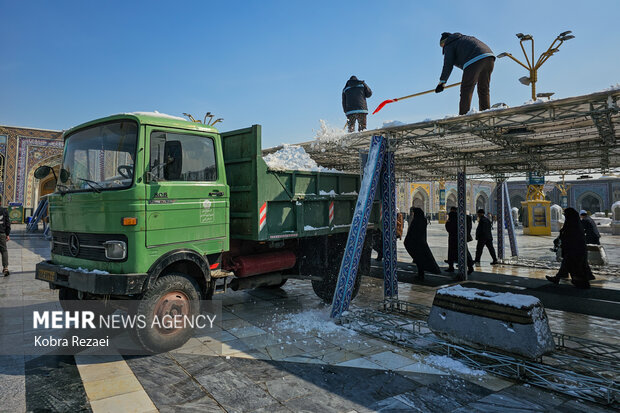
(500, 218)
(388, 195)
(514, 250)
(462, 223)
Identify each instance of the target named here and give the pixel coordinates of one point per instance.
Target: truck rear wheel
(172, 295)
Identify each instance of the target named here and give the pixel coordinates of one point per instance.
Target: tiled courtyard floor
(275, 355)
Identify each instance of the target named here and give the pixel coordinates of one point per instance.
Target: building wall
(22, 150)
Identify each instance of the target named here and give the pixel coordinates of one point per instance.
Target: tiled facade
(22, 150)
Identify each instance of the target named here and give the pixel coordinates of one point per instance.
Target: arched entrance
(482, 202)
(451, 201)
(420, 200)
(590, 202)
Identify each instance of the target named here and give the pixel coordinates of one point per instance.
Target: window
(99, 157)
(179, 157)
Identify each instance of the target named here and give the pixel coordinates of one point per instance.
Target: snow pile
(508, 299)
(391, 123)
(292, 157)
(84, 270)
(328, 135)
(313, 321)
(157, 114)
(447, 363)
(612, 88)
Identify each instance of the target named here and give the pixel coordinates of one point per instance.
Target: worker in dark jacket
(477, 61)
(5, 230)
(590, 229)
(484, 235)
(354, 97)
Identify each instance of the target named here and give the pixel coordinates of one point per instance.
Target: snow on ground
(508, 299)
(292, 157)
(452, 365)
(313, 322)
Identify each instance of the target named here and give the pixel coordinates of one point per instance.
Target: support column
(388, 195)
(514, 250)
(359, 224)
(500, 218)
(462, 223)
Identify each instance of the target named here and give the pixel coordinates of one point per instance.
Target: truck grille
(90, 245)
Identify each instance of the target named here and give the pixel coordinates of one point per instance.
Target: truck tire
(325, 288)
(68, 297)
(173, 294)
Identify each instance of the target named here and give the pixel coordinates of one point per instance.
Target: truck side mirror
(42, 171)
(173, 158)
(64, 175)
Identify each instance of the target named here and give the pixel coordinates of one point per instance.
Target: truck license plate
(46, 275)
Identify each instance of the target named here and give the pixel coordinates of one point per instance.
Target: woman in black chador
(453, 243)
(415, 243)
(574, 252)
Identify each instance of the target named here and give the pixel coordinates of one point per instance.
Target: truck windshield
(99, 157)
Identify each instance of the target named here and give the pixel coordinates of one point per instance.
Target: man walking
(484, 235)
(5, 230)
(477, 61)
(590, 229)
(354, 97)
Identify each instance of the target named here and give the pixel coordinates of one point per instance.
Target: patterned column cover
(500, 219)
(359, 224)
(514, 250)
(462, 224)
(388, 195)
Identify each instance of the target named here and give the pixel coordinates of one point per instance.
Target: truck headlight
(115, 250)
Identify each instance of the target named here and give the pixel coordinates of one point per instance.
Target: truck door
(186, 191)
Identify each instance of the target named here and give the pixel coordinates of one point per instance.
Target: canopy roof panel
(573, 135)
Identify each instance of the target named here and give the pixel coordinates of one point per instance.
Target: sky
(281, 64)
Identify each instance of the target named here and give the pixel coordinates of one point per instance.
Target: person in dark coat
(453, 242)
(5, 230)
(574, 252)
(477, 61)
(484, 236)
(417, 247)
(590, 229)
(354, 97)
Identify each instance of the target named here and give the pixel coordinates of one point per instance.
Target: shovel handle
(425, 92)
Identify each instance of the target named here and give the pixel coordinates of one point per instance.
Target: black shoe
(555, 280)
(449, 269)
(470, 270)
(494, 262)
(476, 262)
(6, 272)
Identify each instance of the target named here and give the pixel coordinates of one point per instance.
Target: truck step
(221, 285)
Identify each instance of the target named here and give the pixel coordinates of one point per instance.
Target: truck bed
(271, 205)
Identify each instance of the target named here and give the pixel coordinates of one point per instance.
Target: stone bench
(513, 323)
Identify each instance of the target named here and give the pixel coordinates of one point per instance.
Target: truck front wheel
(174, 295)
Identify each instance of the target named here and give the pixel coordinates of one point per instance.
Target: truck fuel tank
(248, 265)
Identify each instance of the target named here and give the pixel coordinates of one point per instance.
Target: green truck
(160, 210)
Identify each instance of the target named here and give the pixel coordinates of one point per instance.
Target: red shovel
(385, 102)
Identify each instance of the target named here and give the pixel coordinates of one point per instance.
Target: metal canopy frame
(576, 135)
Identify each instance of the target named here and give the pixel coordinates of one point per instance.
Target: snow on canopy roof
(574, 135)
(507, 299)
(156, 114)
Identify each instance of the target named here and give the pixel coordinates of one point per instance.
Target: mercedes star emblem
(74, 245)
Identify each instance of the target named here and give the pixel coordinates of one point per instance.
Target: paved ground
(279, 353)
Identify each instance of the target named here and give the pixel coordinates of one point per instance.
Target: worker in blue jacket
(354, 105)
(477, 61)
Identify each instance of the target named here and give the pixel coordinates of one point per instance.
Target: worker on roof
(477, 61)
(354, 97)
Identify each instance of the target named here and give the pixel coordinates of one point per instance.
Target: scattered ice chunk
(391, 123)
